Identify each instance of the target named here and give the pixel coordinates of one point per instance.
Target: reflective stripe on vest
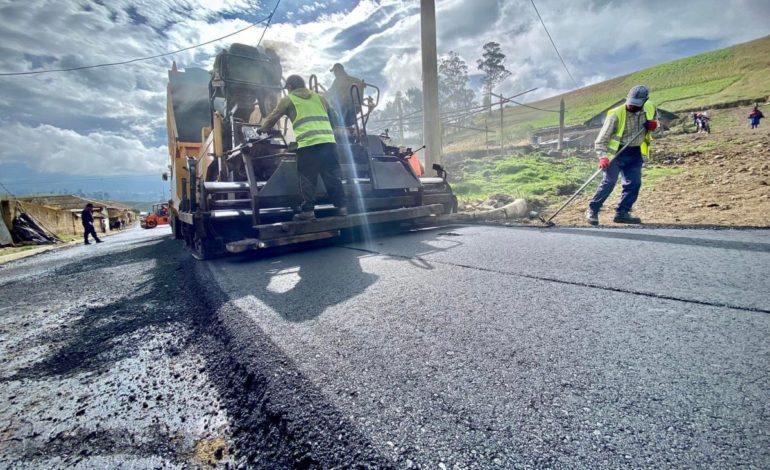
(614, 142)
(311, 125)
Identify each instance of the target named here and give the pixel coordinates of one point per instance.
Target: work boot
(98, 240)
(592, 217)
(342, 211)
(87, 243)
(304, 216)
(624, 217)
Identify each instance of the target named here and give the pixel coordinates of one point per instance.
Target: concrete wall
(55, 220)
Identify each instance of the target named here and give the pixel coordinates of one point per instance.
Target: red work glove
(651, 126)
(604, 163)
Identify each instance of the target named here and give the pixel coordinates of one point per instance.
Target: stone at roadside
(499, 200)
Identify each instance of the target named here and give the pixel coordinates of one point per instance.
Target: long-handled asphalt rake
(548, 222)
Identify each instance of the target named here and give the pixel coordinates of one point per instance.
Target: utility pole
(400, 118)
(560, 145)
(431, 120)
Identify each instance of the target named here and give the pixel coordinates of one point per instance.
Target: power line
(535, 107)
(554, 45)
(140, 59)
(269, 20)
(7, 190)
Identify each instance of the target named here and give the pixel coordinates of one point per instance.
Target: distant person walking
(87, 217)
(629, 124)
(754, 117)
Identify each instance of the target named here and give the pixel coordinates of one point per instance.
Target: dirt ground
(723, 178)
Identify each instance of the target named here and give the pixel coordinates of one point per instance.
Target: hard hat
(337, 66)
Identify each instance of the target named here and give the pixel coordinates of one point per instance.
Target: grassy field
(539, 178)
(723, 76)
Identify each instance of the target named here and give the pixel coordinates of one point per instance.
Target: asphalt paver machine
(235, 189)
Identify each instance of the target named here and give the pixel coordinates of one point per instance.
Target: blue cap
(637, 96)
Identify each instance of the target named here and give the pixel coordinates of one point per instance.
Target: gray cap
(637, 96)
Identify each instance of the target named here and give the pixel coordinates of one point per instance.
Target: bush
(509, 168)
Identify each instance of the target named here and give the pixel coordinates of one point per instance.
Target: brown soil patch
(208, 452)
(723, 179)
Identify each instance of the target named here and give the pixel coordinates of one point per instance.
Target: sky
(104, 128)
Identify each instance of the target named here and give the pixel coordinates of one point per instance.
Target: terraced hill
(732, 75)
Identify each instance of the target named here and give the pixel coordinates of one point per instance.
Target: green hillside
(724, 76)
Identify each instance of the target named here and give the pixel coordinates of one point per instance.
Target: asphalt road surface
(458, 347)
(101, 362)
(489, 347)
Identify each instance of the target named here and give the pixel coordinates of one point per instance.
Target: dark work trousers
(89, 229)
(312, 161)
(629, 165)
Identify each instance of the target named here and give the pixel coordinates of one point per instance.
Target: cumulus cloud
(50, 149)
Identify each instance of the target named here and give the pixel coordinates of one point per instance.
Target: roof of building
(70, 202)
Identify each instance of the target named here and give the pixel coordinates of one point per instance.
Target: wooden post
(560, 145)
(501, 126)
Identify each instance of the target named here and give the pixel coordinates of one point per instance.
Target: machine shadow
(301, 283)
(413, 247)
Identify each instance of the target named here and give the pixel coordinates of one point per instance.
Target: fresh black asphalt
(489, 347)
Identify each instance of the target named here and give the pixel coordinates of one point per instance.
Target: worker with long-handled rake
(629, 124)
(627, 128)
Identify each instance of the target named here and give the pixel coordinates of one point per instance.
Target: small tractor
(235, 189)
(158, 216)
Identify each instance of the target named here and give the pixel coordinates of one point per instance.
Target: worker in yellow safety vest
(312, 119)
(629, 124)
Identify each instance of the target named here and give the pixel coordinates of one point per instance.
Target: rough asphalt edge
(279, 418)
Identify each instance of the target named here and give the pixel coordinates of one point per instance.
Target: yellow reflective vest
(614, 142)
(311, 126)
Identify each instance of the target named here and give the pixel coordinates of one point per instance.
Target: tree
(454, 93)
(492, 64)
(386, 117)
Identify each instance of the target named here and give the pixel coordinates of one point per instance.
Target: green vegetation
(724, 76)
(9, 250)
(538, 177)
(652, 175)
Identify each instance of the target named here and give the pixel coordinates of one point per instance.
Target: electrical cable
(269, 20)
(140, 59)
(554, 45)
(7, 190)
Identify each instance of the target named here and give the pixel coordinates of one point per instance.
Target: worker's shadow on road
(302, 285)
